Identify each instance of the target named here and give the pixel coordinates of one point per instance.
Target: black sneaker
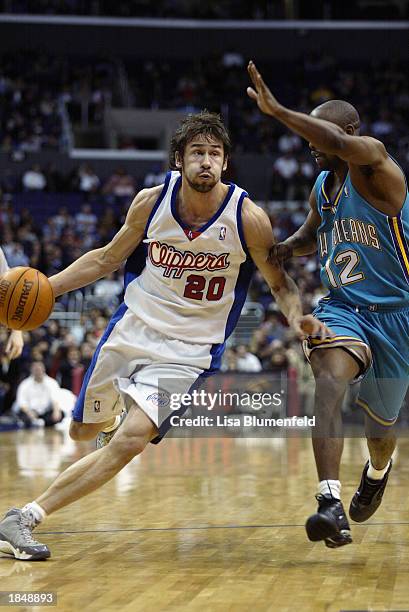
(329, 523)
(368, 497)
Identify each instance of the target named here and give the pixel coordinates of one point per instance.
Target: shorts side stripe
(78, 411)
(315, 342)
(363, 404)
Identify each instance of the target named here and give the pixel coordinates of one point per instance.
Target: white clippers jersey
(190, 285)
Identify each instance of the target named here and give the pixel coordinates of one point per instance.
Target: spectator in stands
(266, 338)
(37, 398)
(8, 218)
(88, 181)
(15, 255)
(278, 360)
(246, 361)
(62, 219)
(273, 325)
(120, 186)
(232, 59)
(87, 352)
(298, 216)
(229, 362)
(289, 143)
(156, 177)
(285, 169)
(11, 347)
(71, 370)
(99, 328)
(86, 220)
(383, 126)
(109, 289)
(108, 225)
(34, 179)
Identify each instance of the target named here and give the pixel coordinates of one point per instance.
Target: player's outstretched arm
(100, 262)
(260, 239)
(303, 241)
(324, 135)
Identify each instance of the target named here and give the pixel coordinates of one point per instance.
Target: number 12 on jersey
(349, 260)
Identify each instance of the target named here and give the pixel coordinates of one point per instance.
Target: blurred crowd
(118, 187)
(222, 9)
(192, 9)
(380, 92)
(33, 90)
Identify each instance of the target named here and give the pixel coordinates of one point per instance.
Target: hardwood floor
(206, 524)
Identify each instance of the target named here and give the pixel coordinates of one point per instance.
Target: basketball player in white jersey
(189, 247)
(15, 343)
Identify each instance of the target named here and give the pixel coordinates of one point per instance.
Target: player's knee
(330, 387)
(129, 445)
(329, 373)
(83, 431)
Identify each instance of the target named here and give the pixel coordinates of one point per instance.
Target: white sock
(330, 487)
(34, 511)
(114, 424)
(375, 474)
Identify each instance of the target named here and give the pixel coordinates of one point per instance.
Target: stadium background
(89, 94)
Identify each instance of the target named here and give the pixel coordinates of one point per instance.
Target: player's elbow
(361, 150)
(336, 143)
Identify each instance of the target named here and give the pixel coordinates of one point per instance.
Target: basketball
(26, 298)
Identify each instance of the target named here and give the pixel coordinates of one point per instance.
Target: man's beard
(201, 187)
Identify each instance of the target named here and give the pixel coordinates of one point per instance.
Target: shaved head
(345, 116)
(339, 112)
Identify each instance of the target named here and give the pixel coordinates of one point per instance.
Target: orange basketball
(26, 298)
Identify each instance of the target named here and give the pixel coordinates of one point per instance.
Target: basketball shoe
(329, 523)
(104, 438)
(368, 497)
(16, 537)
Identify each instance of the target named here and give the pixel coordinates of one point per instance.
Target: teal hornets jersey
(364, 253)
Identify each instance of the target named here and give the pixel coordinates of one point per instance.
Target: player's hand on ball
(15, 344)
(26, 298)
(280, 253)
(308, 325)
(267, 103)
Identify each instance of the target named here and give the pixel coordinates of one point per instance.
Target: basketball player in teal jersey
(360, 218)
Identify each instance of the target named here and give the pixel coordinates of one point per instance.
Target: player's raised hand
(267, 103)
(308, 325)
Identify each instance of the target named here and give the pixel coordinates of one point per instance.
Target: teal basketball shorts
(383, 335)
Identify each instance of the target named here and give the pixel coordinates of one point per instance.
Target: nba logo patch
(97, 406)
(222, 234)
(346, 191)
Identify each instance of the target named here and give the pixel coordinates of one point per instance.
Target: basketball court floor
(205, 524)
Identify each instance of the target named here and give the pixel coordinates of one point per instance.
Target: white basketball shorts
(135, 364)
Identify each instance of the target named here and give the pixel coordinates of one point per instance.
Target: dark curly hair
(205, 123)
